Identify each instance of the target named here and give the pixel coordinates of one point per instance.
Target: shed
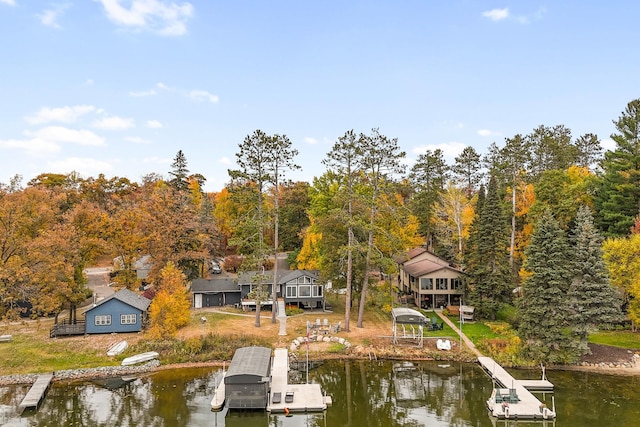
(124, 311)
(248, 378)
(408, 323)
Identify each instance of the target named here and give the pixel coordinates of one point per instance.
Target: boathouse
(248, 378)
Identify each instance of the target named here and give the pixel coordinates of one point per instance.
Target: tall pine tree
(489, 273)
(544, 329)
(618, 198)
(593, 302)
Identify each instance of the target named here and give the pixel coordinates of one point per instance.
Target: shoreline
(87, 374)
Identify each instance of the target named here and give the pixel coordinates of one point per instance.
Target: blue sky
(119, 86)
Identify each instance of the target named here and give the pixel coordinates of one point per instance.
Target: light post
(203, 320)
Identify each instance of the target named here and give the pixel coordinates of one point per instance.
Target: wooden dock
(514, 399)
(36, 392)
(285, 397)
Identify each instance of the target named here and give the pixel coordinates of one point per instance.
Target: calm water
(364, 394)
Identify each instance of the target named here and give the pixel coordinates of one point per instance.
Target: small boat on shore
(139, 358)
(117, 348)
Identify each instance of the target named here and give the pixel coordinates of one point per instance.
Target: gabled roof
(294, 274)
(214, 285)
(128, 297)
(423, 267)
(246, 277)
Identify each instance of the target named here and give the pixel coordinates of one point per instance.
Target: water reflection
(364, 393)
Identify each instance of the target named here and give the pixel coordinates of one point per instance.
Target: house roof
(128, 297)
(214, 285)
(420, 268)
(246, 277)
(294, 274)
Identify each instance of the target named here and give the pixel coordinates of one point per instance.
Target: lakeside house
(124, 311)
(428, 280)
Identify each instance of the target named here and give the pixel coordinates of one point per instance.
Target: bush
(293, 310)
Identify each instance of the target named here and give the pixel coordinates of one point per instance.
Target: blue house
(124, 311)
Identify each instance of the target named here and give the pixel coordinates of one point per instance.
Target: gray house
(215, 292)
(124, 311)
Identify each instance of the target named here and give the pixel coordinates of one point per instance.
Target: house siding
(115, 308)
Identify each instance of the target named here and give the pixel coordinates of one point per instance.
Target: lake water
(364, 393)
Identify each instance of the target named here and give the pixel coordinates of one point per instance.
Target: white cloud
(449, 149)
(49, 17)
(497, 14)
(224, 160)
(137, 140)
(157, 160)
(164, 18)
(62, 134)
(142, 93)
(309, 140)
(488, 132)
(62, 114)
(9, 2)
(154, 124)
(162, 86)
(84, 166)
(33, 147)
(114, 123)
(199, 95)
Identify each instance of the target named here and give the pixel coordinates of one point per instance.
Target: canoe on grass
(117, 348)
(139, 358)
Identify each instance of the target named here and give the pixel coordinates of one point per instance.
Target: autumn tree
(293, 214)
(622, 258)
(169, 309)
(453, 214)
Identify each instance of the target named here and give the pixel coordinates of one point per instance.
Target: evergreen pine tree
(488, 270)
(179, 173)
(593, 301)
(618, 197)
(544, 328)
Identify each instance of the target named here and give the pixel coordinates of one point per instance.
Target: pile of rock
(296, 343)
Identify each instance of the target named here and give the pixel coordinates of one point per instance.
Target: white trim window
(102, 320)
(128, 319)
(304, 291)
(292, 291)
(317, 291)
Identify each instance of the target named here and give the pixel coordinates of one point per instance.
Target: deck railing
(65, 328)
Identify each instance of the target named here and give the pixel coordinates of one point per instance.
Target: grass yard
(622, 339)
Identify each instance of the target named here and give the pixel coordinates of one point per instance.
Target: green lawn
(475, 331)
(624, 339)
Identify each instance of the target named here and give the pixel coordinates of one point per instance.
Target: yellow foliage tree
(169, 309)
(309, 256)
(622, 257)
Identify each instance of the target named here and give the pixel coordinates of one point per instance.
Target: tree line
(482, 213)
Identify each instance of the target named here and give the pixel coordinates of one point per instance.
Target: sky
(118, 87)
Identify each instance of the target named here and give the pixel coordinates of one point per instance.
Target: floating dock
(36, 392)
(514, 399)
(285, 397)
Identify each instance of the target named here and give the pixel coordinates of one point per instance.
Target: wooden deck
(503, 402)
(292, 397)
(36, 392)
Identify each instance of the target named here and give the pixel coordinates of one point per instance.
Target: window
(103, 320)
(304, 291)
(456, 283)
(292, 291)
(317, 291)
(441, 284)
(426, 284)
(127, 319)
